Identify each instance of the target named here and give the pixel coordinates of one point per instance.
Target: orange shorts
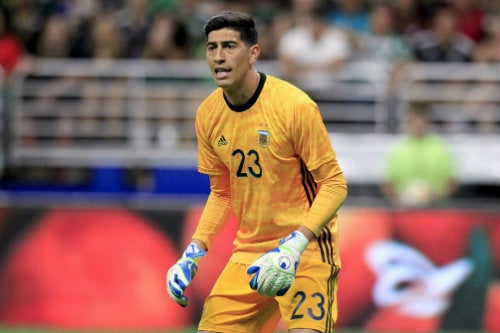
(311, 301)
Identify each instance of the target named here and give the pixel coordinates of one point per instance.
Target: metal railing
(141, 113)
(67, 112)
(464, 98)
(355, 99)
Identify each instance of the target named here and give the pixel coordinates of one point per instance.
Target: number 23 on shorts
(314, 309)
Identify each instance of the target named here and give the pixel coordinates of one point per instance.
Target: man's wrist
(296, 242)
(194, 251)
(201, 244)
(306, 232)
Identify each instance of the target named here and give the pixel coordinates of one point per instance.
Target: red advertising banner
(104, 268)
(424, 270)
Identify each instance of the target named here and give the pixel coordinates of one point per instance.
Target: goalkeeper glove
(275, 270)
(180, 275)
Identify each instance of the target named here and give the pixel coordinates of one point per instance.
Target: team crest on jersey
(263, 138)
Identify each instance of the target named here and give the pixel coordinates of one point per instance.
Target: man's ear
(254, 53)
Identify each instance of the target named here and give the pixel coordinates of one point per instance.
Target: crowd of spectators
(423, 30)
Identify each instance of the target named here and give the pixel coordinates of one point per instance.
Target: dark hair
(420, 109)
(322, 10)
(243, 23)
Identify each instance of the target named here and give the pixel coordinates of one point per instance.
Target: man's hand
(275, 270)
(181, 274)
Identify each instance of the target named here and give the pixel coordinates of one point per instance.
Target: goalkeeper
(270, 161)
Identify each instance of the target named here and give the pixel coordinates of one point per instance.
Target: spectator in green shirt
(420, 170)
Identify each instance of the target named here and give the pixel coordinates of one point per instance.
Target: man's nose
(219, 55)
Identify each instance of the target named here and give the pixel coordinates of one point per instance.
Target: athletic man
(263, 144)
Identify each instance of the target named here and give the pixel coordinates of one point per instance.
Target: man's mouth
(221, 73)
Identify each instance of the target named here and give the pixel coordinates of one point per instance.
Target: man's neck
(241, 94)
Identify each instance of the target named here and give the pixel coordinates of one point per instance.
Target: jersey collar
(248, 104)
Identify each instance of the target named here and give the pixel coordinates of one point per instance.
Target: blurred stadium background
(99, 194)
(92, 216)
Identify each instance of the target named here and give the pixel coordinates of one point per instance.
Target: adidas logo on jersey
(222, 141)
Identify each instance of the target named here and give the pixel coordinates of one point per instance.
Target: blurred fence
(465, 98)
(141, 113)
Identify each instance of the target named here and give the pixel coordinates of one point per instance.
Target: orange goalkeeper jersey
(268, 146)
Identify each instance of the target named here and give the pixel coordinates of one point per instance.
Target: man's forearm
(331, 195)
(214, 217)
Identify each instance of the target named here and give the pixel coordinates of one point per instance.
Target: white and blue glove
(181, 274)
(275, 270)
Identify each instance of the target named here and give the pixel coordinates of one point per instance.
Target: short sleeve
(208, 161)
